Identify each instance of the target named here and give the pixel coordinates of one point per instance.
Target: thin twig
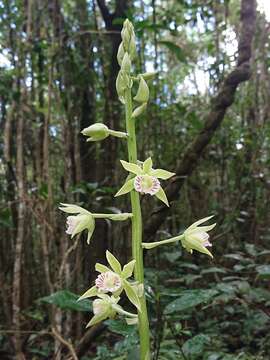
(66, 343)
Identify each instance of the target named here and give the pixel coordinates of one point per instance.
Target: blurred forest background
(208, 120)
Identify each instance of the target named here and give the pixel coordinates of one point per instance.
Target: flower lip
(146, 184)
(71, 223)
(108, 282)
(99, 306)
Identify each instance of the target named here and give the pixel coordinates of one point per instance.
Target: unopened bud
(142, 95)
(120, 54)
(149, 75)
(126, 64)
(96, 132)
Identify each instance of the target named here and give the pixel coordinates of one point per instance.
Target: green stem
(118, 134)
(162, 242)
(137, 251)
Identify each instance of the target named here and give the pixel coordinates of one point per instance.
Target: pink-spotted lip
(71, 223)
(108, 282)
(146, 184)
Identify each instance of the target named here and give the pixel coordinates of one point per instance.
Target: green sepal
(98, 318)
(128, 269)
(193, 244)
(199, 222)
(73, 209)
(132, 295)
(89, 293)
(126, 188)
(162, 196)
(114, 263)
(102, 268)
(162, 174)
(91, 229)
(132, 168)
(147, 165)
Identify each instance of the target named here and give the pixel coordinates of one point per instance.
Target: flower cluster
(146, 179)
(114, 280)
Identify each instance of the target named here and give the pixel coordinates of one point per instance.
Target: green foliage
(66, 300)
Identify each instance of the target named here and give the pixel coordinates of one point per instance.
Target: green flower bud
(126, 64)
(139, 110)
(120, 54)
(128, 38)
(96, 132)
(142, 95)
(149, 75)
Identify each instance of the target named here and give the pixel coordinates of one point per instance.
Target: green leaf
(66, 300)
(132, 295)
(162, 174)
(196, 345)
(263, 270)
(190, 299)
(132, 168)
(177, 50)
(114, 263)
(126, 188)
(162, 196)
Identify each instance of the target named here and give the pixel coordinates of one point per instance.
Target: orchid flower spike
(146, 180)
(197, 238)
(114, 280)
(106, 307)
(85, 220)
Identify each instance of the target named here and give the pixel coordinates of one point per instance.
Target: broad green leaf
(190, 299)
(263, 270)
(132, 295)
(114, 263)
(162, 174)
(162, 196)
(66, 300)
(130, 167)
(196, 345)
(126, 188)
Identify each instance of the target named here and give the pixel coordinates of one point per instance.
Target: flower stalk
(137, 251)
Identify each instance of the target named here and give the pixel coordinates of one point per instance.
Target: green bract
(115, 272)
(146, 179)
(85, 220)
